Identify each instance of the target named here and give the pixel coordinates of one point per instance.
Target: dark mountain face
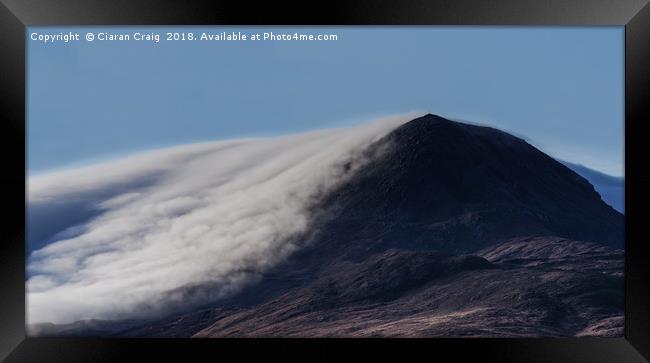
(450, 229)
(527, 287)
(456, 187)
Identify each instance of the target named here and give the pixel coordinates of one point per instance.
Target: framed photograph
(339, 180)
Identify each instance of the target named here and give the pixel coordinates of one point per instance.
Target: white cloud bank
(205, 214)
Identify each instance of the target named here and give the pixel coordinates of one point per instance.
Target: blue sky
(560, 88)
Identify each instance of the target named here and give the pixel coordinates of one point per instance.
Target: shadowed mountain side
(456, 187)
(83, 328)
(441, 185)
(471, 298)
(550, 251)
(407, 293)
(402, 293)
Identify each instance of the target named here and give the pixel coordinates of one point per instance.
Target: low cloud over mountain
(326, 232)
(130, 236)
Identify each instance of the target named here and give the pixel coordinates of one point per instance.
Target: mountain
(456, 187)
(526, 287)
(523, 293)
(448, 229)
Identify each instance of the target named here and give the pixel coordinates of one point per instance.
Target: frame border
(16, 15)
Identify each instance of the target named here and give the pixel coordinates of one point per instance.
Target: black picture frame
(16, 15)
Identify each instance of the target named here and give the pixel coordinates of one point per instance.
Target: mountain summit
(457, 187)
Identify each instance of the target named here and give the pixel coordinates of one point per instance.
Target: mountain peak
(430, 117)
(427, 121)
(458, 187)
(431, 128)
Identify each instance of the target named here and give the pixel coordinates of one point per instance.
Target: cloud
(139, 236)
